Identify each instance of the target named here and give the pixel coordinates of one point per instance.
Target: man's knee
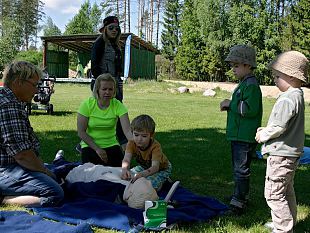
(54, 197)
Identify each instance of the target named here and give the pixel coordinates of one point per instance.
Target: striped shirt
(16, 133)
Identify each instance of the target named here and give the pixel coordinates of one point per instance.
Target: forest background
(193, 36)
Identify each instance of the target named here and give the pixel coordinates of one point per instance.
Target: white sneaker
(59, 154)
(269, 225)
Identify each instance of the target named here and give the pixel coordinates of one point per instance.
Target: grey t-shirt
(288, 113)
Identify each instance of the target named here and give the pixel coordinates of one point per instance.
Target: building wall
(58, 63)
(142, 64)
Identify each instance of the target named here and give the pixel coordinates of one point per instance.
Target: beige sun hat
(137, 193)
(242, 54)
(292, 63)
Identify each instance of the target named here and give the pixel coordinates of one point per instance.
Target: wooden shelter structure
(142, 54)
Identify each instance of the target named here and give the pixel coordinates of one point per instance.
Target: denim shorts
(17, 181)
(157, 179)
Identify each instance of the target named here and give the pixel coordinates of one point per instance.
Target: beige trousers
(279, 192)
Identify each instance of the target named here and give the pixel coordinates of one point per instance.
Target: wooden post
(45, 47)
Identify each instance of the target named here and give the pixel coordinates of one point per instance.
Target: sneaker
(59, 155)
(234, 211)
(228, 199)
(269, 225)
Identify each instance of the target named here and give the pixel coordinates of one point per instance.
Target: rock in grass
(209, 92)
(183, 89)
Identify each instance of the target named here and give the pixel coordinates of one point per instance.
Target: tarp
(23, 222)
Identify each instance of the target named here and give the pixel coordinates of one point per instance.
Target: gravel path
(267, 91)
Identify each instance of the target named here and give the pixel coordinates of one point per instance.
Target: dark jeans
(17, 181)
(114, 153)
(119, 96)
(242, 153)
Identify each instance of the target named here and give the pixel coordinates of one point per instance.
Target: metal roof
(83, 43)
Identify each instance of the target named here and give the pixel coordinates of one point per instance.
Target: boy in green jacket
(244, 115)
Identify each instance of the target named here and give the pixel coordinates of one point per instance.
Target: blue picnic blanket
(100, 204)
(305, 159)
(93, 203)
(23, 222)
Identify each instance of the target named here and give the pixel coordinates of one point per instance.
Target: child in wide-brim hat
(283, 139)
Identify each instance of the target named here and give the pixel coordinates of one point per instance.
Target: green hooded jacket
(245, 111)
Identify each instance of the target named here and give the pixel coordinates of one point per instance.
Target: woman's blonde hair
(103, 77)
(21, 70)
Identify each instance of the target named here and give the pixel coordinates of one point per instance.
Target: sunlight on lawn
(191, 129)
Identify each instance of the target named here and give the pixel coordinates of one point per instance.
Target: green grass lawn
(191, 130)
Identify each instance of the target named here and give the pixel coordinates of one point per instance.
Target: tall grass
(191, 130)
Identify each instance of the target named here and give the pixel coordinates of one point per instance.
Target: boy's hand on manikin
(125, 174)
(137, 176)
(224, 105)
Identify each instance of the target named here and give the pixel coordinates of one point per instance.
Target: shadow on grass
(55, 113)
(202, 162)
(52, 141)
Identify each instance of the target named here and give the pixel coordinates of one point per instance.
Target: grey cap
(242, 54)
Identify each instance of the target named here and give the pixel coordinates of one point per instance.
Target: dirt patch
(267, 91)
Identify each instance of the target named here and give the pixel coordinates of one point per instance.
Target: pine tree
(301, 27)
(50, 29)
(95, 17)
(189, 54)
(10, 37)
(10, 41)
(114, 7)
(81, 23)
(171, 32)
(29, 13)
(213, 18)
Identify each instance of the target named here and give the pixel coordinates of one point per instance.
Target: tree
(269, 26)
(171, 32)
(29, 13)
(114, 7)
(10, 41)
(188, 59)
(81, 23)
(213, 19)
(268, 43)
(301, 27)
(50, 29)
(95, 17)
(24, 13)
(31, 55)
(159, 4)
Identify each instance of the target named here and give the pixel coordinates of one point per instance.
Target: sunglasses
(111, 27)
